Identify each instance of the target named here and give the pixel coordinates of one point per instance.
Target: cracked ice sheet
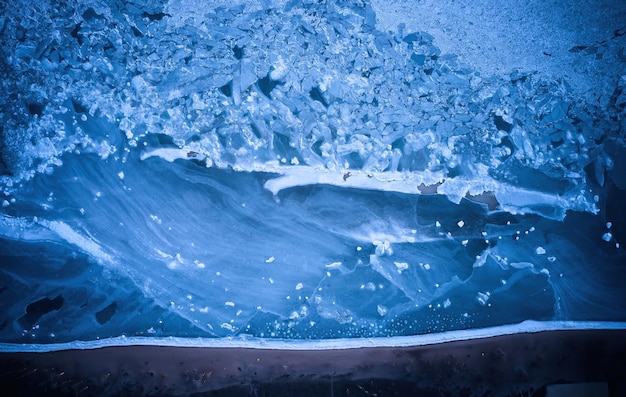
(214, 247)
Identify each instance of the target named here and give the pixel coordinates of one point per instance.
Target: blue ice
(293, 172)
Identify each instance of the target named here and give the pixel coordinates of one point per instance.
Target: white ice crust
(248, 342)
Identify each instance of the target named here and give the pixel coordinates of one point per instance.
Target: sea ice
(150, 154)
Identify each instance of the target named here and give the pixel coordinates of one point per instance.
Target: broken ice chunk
(279, 69)
(401, 266)
(382, 248)
(333, 265)
(482, 298)
(228, 327)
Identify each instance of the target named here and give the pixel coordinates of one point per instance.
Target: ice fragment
(482, 298)
(401, 266)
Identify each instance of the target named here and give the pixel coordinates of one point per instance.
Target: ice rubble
(299, 99)
(308, 83)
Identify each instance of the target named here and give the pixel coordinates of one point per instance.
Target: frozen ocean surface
(293, 170)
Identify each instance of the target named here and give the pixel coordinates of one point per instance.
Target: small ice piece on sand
(447, 303)
(607, 237)
(540, 250)
(270, 259)
(299, 286)
(382, 310)
(460, 223)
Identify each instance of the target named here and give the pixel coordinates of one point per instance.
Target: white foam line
(511, 198)
(247, 342)
(293, 176)
(401, 182)
(68, 234)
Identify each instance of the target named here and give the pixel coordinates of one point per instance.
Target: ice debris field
(288, 170)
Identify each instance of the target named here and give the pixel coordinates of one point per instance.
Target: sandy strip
(502, 365)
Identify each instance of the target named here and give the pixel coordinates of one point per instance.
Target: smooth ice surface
(289, 170)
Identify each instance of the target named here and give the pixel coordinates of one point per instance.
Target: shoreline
(498, 364)
(250, 342)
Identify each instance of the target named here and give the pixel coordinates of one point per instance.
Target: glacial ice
(291, 171)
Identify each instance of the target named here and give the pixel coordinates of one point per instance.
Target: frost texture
(102, 102)
(310, 84)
